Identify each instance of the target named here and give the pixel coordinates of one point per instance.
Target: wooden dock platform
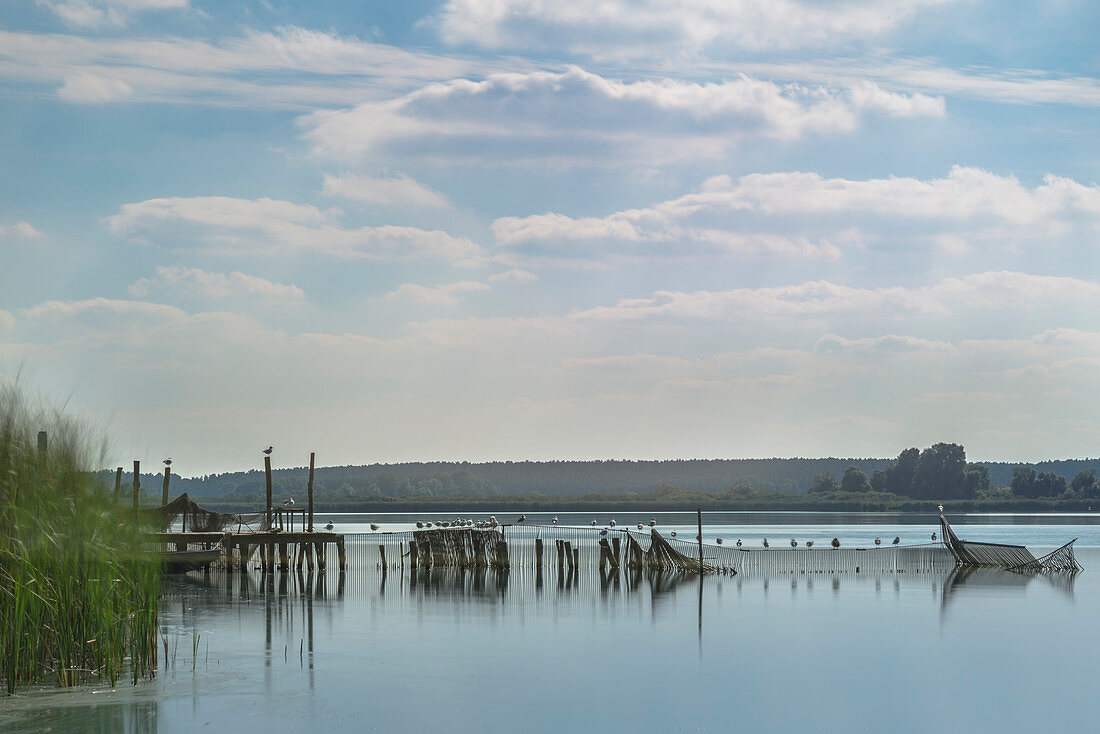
(274, 547)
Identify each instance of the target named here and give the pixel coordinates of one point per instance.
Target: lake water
(901, 652)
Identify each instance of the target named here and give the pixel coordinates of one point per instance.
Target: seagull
(738, 542)
(329, 526)
(168, 461)
(652, 522)
(522, 518)
(673, 533)
(836, 543)
(640, 526)
(593, 523)
(933, 536)
(809, 544)
(719, 540)
(555, 520)
(268, 450)
(289, 502)
(897, 539)
(767, 544)
(878, 541)
(373, 526)
(794, 543)
(612, 523)
(428, 524)
(419, 524)
(941, 507)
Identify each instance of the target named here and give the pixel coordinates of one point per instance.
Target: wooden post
(309, 489)
(538, 552)
(341, 556)
(137, 483)
(309, 556)
(700, 515)
(569, 554)
(267, 474)
(164, 489)
(284, 557)
(118, 484)
(412, 554)
(576, 558)
(502, 554)
(320, 556)
(561, 552)
(382, 555)
(615, 546)
(605, 551)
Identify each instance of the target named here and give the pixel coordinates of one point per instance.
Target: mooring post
(118, 484)
(341, 556)
(502, 554)
(267, 474)
(559, 545)
(412, 554)
(309, 556)
(569, 554)
(164, 489)
(576, 558)
(605, 551)
(284, 557)
(137, 483)
(699, 511)
(382, 555)
(309, 489)
(538, 552)
(616, 546)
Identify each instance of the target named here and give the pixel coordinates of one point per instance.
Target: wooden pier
(274, 548)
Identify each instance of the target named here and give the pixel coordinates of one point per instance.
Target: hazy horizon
(480, 229)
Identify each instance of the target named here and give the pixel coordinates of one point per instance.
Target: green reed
(78, 592)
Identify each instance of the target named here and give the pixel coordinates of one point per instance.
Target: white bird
(767, 544)
(897, 539)
(522, 518)
(673, 533)
(612, 523)
(941, 507)
(794, 543)
(652, 522)
(809, 544)
(289, 502)
(555, 520)
(373, 526)
(419, 524)
(268, 450)
(738, 542)
(878, 541)
(593, 523)
(640, 526)
(329, 525)
(168, 461)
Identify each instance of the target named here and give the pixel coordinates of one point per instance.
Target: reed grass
(78, 594)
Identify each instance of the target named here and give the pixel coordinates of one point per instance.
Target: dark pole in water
(700, 514)
(309, 489)
(118, 484)
(137, 483)
(267, 474)
(164, 490)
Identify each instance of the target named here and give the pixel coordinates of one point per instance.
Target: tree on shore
(854, 480)
(825, 482)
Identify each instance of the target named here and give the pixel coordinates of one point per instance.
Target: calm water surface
(989, 651)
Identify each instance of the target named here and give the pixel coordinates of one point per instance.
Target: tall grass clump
(78, 592)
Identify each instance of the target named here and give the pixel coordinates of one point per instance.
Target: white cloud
(395, 190)
(223, 225)
(289, 68)
(515, 275)
(91, 89)
(106, 12)
(622, 29)
(803, 215)
(580, 118)
(21, 229)
(995, 291)
(441, 295)
(7, 321)
(194, 282)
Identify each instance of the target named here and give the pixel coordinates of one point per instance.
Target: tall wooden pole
(164, 489)
(118, 484)
(309, 489)
(700, 514)
(267, 473)
(137, 482)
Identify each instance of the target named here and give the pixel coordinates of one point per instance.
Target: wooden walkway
(274, 547)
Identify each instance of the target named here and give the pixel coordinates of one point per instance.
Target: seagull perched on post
(522, 518)
(794, 543)
(836, 542)
(878, 541)
(555, 520)
(288, 502)
(612, 523)
(933, 536)
(941, 507)
(268, 450)
(809, 544)
(673, 533)
(373, 526)
(329, 525)
(719, 541)
(640, 526)
(593, 523)
(897, 539)
(419, 524)
(738, 542)
(168, 461)
(767, 544)
(652, 522)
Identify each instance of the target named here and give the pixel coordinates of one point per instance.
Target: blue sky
(510, 229)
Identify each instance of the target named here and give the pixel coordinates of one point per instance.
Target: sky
(481, 230)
